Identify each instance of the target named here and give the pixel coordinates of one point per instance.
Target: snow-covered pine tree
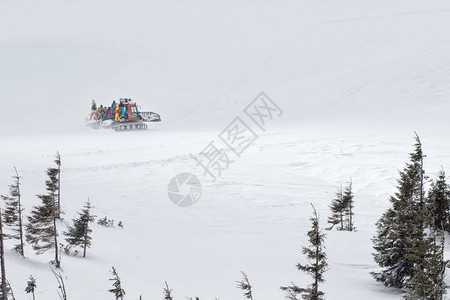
(244, 285)
(439, 202)
(316, 268)
(337, 207)
(80, 234)
(54, 184)
(428, 279)
(439, 268)
(401, 228)
(31, 286)
(167, 292)
(4, 286)
(348, 204)
(41, 230)
(12, 215)
(118, 292)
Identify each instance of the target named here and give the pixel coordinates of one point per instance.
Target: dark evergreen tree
(80, 233)
(4, 286)
(41, 230)
(428, 279)
(348, 204)
(317, 264)
(167, 292)
(342, 210)
(118, 292)
(439, 202)
(54, 184)
(337, 211)
(400, 230)
(12, 215)
(244, 285)
(31, 286)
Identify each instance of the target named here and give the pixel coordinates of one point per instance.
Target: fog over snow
(354, 79)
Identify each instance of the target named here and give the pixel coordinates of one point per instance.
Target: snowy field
(354, 79)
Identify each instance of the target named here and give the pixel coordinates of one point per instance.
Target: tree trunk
(2, 262)
(85, 243)
(316, 282)
(57, 262)
(350, 225)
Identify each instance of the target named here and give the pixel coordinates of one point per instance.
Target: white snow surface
(354, 79)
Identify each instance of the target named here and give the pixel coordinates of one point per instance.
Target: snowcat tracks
(129, 126)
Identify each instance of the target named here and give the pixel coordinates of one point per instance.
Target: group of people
(116, 112)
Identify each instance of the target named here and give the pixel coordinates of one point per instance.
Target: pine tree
(118, 292)
(4, 287)
(12, 215)
(41, 229)
(439, 201)
(428, 279)
(79, 233)
(316, 268)
(167, 292)
(400, 230)
(438, 270)
(58, 180)
(31, 286)
(428, 253)
(244, 285)
(337, 211)
(348, 204)
(54, 184)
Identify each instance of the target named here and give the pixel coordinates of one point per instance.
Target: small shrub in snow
(105, 222)
(80, 233)
(244, 285)
(31, 286)
(117, 290)
(167, 292)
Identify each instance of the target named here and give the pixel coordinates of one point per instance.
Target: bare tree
(62, 288)
(10, 290)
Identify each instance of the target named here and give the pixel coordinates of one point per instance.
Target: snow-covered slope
(354, 80)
